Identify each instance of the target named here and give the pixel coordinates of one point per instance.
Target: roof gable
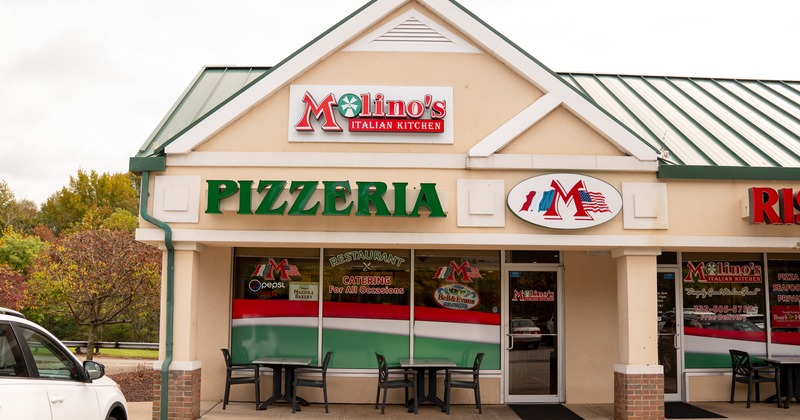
(412, 31)
(349, 32)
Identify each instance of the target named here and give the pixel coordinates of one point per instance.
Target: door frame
(679, 368)
(560, 397)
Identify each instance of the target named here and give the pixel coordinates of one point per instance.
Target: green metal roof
(210, 89)
(694, 122)
(705, 121)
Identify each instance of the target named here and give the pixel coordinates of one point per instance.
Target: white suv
(41, 380)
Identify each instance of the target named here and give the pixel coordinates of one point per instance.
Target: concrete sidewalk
(241, 410)
(211, 410)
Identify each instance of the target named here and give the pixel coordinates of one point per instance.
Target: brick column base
(183, 394)
(638, 392)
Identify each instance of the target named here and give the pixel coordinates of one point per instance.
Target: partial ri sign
(774, 207)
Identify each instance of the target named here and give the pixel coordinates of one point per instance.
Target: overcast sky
(84, 82)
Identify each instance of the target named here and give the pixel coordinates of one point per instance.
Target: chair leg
(325, 396)
(749, 393)
(733, 387)
(383, 406)
(378, 397)
(227, 395)
(258, 392)
(478, 397)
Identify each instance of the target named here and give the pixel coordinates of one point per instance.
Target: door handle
(57, 398)
(512, 341)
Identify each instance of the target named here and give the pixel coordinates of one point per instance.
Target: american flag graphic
(594, 202)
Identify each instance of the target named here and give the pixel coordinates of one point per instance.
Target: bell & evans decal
(564, 201)
(456, 296)
(374, 114)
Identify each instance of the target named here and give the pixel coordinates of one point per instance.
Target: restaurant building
(412, 183)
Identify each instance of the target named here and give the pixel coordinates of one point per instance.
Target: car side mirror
(94, 370)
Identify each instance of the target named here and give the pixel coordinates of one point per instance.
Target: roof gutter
(145, 165)
(736, 173)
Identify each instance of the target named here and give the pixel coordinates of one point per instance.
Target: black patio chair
(744, 372)
(240, 373)
(473, 384)
(316, 383)
(385, 383)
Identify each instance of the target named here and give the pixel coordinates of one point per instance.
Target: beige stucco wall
(702, 215)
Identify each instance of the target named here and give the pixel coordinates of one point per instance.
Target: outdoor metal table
(431, 365)
(279, 364)
(787, 365)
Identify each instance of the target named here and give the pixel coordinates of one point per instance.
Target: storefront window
(275, 306)
(366, 294)
(784, 303)
(457, 305)
(722, 295)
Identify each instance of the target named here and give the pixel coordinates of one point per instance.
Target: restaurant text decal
(533, 296)
(366, 284)
(721, 291)
(774, 207)
(264, 198)
(723, 272)
(385, 114)
(456, 296)
(564, 201)
(785, 289)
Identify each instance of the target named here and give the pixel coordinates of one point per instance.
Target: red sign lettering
(762, 206)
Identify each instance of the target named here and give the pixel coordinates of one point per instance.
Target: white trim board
(210, 237)
(410, 160)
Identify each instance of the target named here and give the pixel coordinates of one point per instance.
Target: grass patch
(128, 353)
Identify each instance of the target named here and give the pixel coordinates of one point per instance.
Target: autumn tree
(19, 251)
(21, 215)
(89, 200)
(99, 277)
(13, 288)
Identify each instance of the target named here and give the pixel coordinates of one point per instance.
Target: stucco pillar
(638, 378)
(184, 369)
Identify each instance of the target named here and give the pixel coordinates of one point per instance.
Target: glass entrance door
(533, 367)
(670, 324)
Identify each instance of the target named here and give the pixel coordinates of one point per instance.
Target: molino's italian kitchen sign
(371, 114)
(564, 201)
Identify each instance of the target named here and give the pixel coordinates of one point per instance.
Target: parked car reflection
(526, 333)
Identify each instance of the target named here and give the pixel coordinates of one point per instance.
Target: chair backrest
(740, 361)
(227, 355)
(383, 369)
(476, 367)
(325, 362)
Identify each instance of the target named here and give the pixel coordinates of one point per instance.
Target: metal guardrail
(113, 345)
